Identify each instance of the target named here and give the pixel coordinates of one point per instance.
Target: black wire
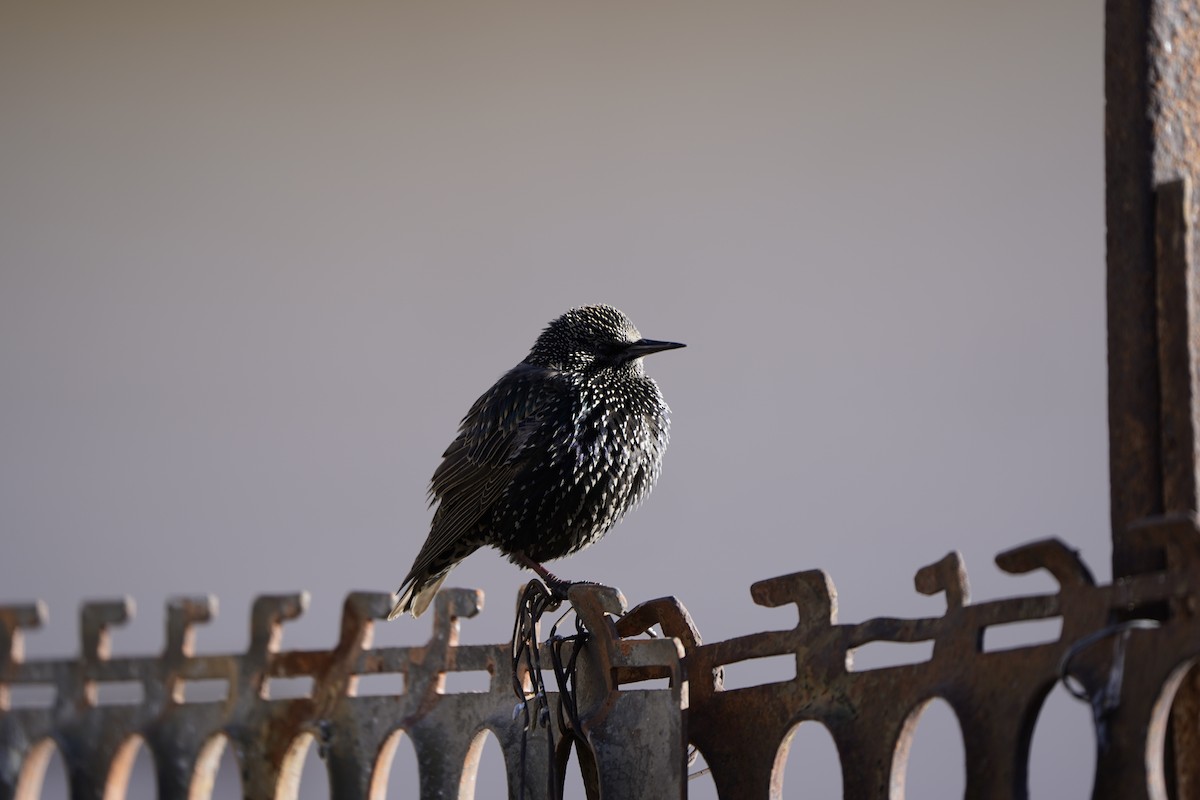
(534, 602)
(525, 653)
(1108, 697)
(564, 675)
(1084, 642)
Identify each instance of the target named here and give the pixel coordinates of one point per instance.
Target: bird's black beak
(644, 347)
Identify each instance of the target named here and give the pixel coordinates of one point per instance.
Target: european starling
(551, 457)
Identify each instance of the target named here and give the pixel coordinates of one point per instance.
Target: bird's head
(593, 338)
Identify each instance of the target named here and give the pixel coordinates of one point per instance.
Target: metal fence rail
(1124, 647)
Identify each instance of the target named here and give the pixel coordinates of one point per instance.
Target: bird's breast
(597, 463)
(619, 425)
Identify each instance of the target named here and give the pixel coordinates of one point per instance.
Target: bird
(549, 458)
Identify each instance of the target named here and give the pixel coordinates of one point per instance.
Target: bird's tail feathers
(416, 594)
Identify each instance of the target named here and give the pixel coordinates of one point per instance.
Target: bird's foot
(560, 589)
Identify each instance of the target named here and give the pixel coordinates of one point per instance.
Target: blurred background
(257, 259)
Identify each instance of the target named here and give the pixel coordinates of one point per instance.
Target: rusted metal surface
(1174, 79)
(996, 696)
(1152, 146)
(632, 741)
(1178, 351)
(1152, 133)
(1135, 462)
(356, 735)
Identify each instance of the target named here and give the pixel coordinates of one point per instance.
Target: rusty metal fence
(1124, 647)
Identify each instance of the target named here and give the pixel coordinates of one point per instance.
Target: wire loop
(535, 601)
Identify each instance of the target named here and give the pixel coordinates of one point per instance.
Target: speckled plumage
(550, 457)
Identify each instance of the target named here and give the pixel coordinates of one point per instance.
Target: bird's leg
(557, 586)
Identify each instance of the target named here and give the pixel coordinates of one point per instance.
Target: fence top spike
(811, 591)
(194, 608)
(182, 614)
(267, 616)
(450, 605)
(666, 612)
(595, 600)
(358, 612)
(23, 615)
(458, 602)
(369, 605)
(949, 575)
(95, 618)
(1052, 555)
(13, 620)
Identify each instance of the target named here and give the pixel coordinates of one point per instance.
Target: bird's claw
(560, 589)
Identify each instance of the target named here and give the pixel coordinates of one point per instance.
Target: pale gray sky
(256, 260)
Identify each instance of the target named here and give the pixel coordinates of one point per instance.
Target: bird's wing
(489, 449)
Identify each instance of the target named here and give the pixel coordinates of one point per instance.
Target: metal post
(1133, 387)
(1152, 137)
(1152, 150)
